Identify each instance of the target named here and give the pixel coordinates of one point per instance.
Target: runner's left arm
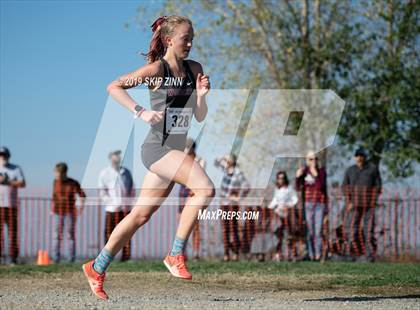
(202, 88)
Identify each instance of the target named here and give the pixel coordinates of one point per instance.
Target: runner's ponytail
(161, 27)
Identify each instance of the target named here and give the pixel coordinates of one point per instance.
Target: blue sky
(57, 59)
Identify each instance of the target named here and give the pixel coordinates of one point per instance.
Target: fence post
(396, 254)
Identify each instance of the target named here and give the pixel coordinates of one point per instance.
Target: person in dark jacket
(64, 210)
(362, 185)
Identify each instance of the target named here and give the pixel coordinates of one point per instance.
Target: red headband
(158, 22)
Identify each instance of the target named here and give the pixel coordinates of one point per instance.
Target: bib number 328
(178, 120)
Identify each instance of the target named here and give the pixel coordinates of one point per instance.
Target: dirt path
(158, 290)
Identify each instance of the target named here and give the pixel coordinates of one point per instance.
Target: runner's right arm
(117, 89)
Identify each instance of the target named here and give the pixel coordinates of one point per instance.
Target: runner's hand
(151, 117)
(202, 84)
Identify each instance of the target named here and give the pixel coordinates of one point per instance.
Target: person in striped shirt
(234, 186)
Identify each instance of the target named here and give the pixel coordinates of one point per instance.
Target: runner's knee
(205, 190)
(140, 218)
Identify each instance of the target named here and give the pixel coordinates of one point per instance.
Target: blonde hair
(162, 27)
(310, 154)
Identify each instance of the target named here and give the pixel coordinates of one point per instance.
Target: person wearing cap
(11, 178)
(234, 186)
(116, 186)
(185, 192)
(361, 185)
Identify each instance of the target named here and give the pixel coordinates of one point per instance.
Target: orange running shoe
(176, 266)
(96, 280)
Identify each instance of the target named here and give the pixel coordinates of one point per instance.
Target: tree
(383, 110)
(336, 45)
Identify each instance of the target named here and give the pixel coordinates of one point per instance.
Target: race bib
(178, 120)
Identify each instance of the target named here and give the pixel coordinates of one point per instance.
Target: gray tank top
(177, 98)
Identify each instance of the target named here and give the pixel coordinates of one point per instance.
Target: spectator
(312, 180)
(284, 202)
(338, 220)
(185, 192)
(115, 185)
(11, 178)
(65, 210)
(234, 186)
(362, 185)
(262, 241)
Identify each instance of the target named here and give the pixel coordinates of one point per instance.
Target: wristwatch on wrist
(138, 110)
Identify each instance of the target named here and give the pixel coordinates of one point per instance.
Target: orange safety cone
(43, 258)
(46, 258)
(40, 258)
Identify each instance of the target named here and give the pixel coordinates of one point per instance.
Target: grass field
(147, 284)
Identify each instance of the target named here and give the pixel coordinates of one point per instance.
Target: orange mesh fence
(384, 226)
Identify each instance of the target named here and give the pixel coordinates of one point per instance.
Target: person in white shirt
(283, 203)
(115, 188)
(11, 178)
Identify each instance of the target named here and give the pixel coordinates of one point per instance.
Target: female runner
(172, 107)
